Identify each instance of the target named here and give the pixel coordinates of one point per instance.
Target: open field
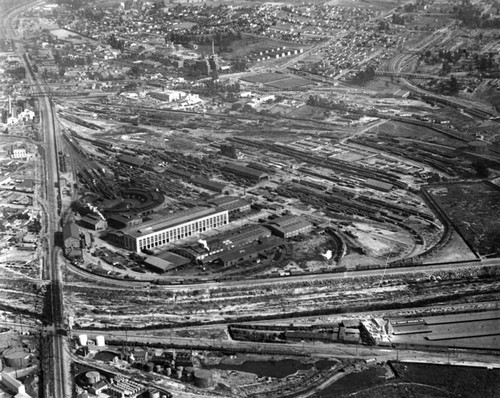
(264, 78)
(290, 83)
(474, 209)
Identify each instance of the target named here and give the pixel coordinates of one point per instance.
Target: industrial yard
(249, 199)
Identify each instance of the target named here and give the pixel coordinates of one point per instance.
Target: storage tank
(154, 393)
(16, 357)
(99, 341)
(93, 377)
(203, 378)
(179, 374)
(83, 339)
(168, 371)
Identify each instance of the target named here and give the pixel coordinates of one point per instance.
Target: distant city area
(249, 199)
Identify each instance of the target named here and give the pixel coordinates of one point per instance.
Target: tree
(481, 168)
(454, 87)
(446, 67)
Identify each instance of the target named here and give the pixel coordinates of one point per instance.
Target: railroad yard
(249, 199)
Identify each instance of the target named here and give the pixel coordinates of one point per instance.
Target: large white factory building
(174, 227)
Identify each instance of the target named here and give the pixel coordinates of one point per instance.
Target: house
(98, 387)
(71, 239)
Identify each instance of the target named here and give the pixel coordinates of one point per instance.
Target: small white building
(26, 115)
(12, 120)
(168, 95)
(18, 153)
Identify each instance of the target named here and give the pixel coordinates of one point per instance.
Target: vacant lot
(474, 210)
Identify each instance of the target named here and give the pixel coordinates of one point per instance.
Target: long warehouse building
(174, 227)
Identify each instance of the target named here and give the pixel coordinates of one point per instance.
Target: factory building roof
(235, 237)
(289, 224)
(235, 205)
(91, 219)
(209, 184)
(71, 230)
(174, 259)
(376, 184)
(178, 171)
(350, 323)
(245, 171)
(159, 265)
(131, 160)
(171, 220)
(247, 251)
(223, 200)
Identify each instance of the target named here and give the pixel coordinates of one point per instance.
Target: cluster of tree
(398, 19)
(74, 4)
(323, 102)
(220, 39)
(214, 87)
(136, 70)
(91, 14)
(18, 73)
(383, 25)
(239, 64)
(482, 62)
(447, 87)
(196, 69)
(71, 62)
(481, 169)
(117, 44)
(364, 76)
(473, 17)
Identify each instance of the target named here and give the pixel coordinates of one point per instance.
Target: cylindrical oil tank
(168, 371)
(179, 374)
(203, 378)
(99, 341)
(16, 357)
(83, 339)
(93, 377)
(154, 393)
